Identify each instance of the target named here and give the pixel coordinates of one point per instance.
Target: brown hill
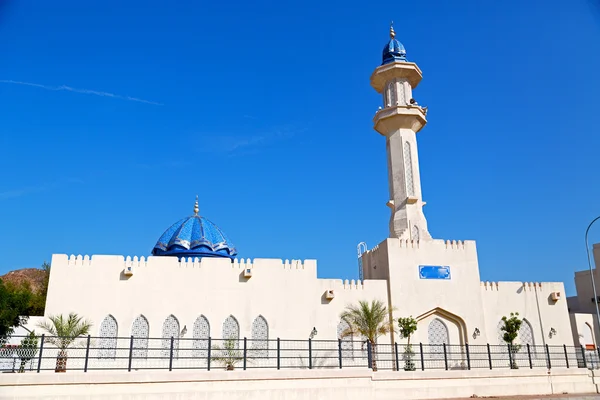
(34, 276)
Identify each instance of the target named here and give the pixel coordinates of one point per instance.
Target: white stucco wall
(287, 294)
(463, 302)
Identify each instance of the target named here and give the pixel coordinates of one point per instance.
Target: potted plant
(511, 328)
(227, 355)
(65, 333)
(27, 350)
(408, 326)
(370, 320)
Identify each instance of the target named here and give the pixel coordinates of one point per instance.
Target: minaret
(399, 120)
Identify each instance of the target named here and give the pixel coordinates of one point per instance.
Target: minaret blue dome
(394, 50)
(194, 236)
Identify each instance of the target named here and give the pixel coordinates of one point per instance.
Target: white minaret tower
(399, 120)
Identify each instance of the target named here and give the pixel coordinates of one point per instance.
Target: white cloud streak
(82, 91)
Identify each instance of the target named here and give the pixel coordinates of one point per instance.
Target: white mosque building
(194, 280)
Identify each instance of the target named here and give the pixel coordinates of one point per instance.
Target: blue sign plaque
(434, 272)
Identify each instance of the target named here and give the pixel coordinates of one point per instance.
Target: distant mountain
(34, 276)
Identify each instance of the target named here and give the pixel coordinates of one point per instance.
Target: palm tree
(370, 320)
(64, 333)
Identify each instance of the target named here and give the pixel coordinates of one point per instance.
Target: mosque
(192, 284)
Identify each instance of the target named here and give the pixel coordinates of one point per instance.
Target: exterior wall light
(476, 333)
(313, 333)
(552, 332)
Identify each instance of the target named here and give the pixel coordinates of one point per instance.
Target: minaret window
(391, 95)
(402, 100)
(415, 233)
(410, 185)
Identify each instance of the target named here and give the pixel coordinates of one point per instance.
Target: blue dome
(194, 236)
(394, 50)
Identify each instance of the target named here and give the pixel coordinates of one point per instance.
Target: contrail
(83, 91)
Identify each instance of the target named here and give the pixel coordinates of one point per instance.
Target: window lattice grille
(108, 338)
(526, 334)
(139, 331)
(201, 334)
(392, 99)
(170, 329)
(348, 341)
(410, 184)
(437, 333)
(260, 337)
(231, 330)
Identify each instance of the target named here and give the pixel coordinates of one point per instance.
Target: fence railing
(88, 353)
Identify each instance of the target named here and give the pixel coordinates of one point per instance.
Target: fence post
(130, 353)
(208, 355)
(309, 353)
(171, 354)
(245, 351)
(583, 355)
(278, 354)
(529, 356)
(445, 357)
(489, 355)
(340, 352)
(510, 359)
(548, 356)
(87, 354)
(40, 355)
(369, 355)
(422, 357)
(397, 358)
(468, 356)
(566, 355)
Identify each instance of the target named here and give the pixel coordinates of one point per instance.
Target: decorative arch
(201, 333)
(347, 340)
(438, 311)
(408, 168)
(170, 330)
(260, 337)
(108, 338)
(139, 330)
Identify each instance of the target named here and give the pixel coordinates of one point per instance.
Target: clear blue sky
(264, 110)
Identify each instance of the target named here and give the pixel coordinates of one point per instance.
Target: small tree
(27, 350)
(511, 328)
(227, 355)
(370, 320)
(407, 327)
(65, 333)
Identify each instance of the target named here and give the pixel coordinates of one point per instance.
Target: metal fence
(89, 353)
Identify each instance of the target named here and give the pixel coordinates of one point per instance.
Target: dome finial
(196, 208)
(392, 32)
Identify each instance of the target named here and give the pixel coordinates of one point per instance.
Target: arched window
(170, 330)
(139, 331)
(231, 330)
(345, 334)
(260, 337)
(391, 97)
(437, 333)
(415, 233)
(108, 338)
(201, 334)
(410, 185)
(526, 334)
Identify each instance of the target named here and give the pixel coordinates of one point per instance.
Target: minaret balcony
(390, 119)
(385, 73)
